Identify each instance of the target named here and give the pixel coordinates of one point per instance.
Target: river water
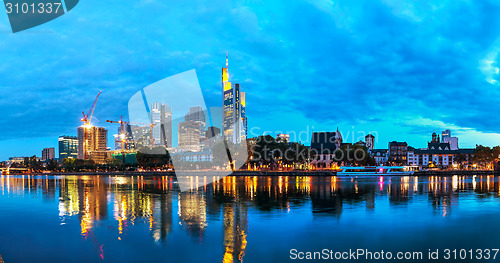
(244, 219)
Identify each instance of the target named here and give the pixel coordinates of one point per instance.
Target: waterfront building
(398, 152)
(92, 143)
(370, 141)
(127, 137)
(48, 154)
(68, 147)
(234, 109)
(438, 153)
(161, 116)
(280, 137)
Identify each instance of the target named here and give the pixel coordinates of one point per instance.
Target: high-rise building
(68, 147)
(446, 138)
(197, 115)
(161, 115)
(234, 112)
(48, 154)
(189, 136)
(92, 143)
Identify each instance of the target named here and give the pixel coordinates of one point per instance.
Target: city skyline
(389, 67)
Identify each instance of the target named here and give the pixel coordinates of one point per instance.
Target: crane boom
(93, 107)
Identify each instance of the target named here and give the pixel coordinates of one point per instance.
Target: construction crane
(87, 118)
(86, 124)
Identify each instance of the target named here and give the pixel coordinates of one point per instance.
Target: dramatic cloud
(400, 68)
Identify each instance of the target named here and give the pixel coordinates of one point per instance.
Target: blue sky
(400, 69)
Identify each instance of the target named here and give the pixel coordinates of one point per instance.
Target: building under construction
(92, 143)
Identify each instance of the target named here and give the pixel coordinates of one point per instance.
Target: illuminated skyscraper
(234, 113)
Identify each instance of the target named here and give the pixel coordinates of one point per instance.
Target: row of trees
(266, 150)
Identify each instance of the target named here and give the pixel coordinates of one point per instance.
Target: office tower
(197, 115)
(48, 154)
(68, 147)
(234, 118)
(141, 135)
(161, 116)
(92, 143)
(189, 136)
(228, 103)
(127, 137)
(166, 125)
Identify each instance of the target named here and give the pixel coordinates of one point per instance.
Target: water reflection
(157, 204)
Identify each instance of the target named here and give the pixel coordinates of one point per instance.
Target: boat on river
(377, 170)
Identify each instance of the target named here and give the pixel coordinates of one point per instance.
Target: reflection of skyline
(131, 201)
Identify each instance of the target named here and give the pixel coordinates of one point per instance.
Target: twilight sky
(399, 69)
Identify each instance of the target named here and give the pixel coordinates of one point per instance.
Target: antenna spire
(227, 59)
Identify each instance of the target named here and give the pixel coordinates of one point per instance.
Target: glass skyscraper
(234, 113)
(68, 147)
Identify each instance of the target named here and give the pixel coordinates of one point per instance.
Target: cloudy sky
(399, 69)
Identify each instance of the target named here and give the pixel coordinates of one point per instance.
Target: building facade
(380, 155)
(92, 143)
(398, 152)
(68, 147)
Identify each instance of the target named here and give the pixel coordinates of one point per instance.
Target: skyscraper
(189, 136)
(92, 143)
(68, 147)
(234, 114)
(161, 115)
(197, 115)
(453, 141)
